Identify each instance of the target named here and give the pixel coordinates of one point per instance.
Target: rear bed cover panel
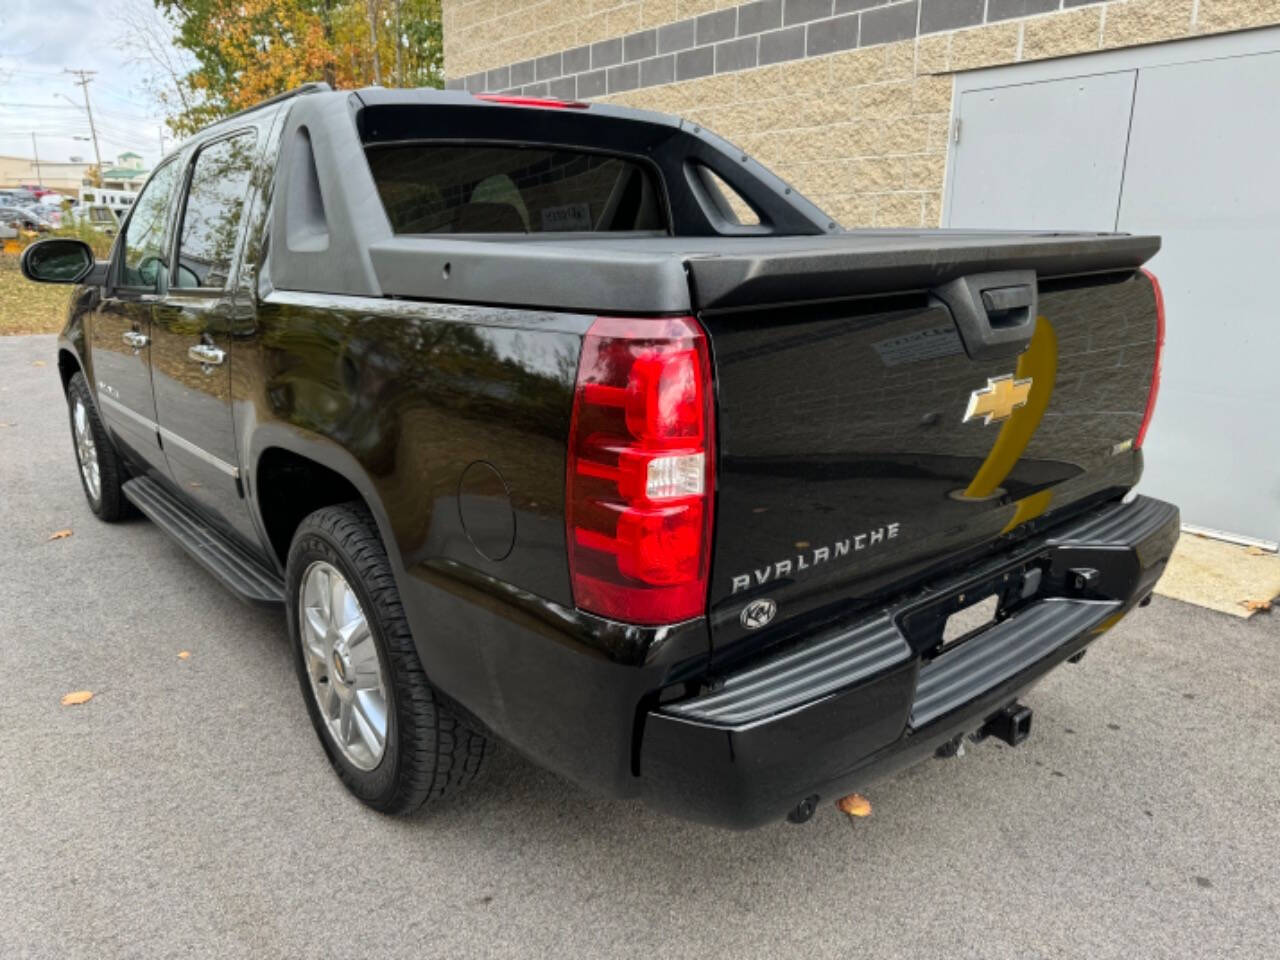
(676, 274)
(789, 269)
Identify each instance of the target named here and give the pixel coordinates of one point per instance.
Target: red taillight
(1155, 367)
(641, 452)
(516, 100)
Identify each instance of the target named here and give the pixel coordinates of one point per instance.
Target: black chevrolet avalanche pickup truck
(573, 426)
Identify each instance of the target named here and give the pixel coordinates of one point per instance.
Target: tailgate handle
(994, 313)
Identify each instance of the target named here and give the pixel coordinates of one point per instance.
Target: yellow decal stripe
(1039, 362)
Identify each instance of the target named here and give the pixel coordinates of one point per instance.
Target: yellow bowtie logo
(998, 399)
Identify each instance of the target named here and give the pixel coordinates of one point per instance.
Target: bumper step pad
(243, 574)
(820, 667)
(959, 675)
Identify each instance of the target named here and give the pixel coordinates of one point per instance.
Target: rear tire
(102, 472)
(383, 727)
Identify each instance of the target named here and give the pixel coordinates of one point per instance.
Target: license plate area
(974, 618)
(956, 614)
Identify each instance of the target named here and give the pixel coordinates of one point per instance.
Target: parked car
(18, 197)
(26, 217)
(99, 216)
(534, 438)
(50, 210)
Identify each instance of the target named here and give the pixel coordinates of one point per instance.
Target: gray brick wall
(738, 38)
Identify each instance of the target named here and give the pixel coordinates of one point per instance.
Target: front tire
(383, 727)
(102, 472)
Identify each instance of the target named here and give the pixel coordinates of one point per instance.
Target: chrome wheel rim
(86, 450)
(346, 673)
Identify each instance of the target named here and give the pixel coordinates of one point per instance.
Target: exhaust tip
(804, 810)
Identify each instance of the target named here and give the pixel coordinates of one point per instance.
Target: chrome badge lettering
(815, 557)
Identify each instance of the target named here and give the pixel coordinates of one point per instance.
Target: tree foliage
(247, 50)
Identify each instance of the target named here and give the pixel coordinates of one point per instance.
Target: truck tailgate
(855, 380)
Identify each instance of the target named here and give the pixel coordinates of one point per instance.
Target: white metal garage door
(1181, 140)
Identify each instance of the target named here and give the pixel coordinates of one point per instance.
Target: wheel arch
(68, 366)
(293, 475)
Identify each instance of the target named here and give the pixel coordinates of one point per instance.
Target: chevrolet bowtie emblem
(998, 399)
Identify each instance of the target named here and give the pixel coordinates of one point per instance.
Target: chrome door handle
(135, 339)
(207, 354)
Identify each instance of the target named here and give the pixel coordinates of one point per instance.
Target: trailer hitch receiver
(1012, 724)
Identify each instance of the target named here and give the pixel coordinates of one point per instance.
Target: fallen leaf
(1254, 605)
(184, 654)
(60, 535)
(855, 805)
(77, 697)
(3, 424)
(37, 363)
(1252, 551)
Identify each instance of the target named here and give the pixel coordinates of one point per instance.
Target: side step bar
(242, 574)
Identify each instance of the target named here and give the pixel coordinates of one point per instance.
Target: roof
(123, 173)
(136, 156)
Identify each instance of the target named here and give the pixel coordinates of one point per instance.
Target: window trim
(118, 267)
(655, 171)
(171, 287)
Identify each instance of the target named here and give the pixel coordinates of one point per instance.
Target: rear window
(478, 188)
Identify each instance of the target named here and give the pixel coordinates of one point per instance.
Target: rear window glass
(477, 188)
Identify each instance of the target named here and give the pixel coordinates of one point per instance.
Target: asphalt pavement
(187, 809)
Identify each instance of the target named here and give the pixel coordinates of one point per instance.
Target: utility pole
(399, 44)
(84, 78)
(160, 130)
(36, 151)
(373, 36)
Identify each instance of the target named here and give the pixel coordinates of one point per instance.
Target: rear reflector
(519, 101)
(639, 486)
(1155, 368)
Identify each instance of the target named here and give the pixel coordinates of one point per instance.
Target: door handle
(206, 354)
(135, 339)
(994, 313)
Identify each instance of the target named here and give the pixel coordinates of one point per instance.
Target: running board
(242, 574)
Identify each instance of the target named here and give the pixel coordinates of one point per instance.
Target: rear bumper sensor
(848, 705)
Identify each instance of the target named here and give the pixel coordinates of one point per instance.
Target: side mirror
(60, 260)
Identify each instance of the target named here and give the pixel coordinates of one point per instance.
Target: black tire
(428, 752)
(110, 504)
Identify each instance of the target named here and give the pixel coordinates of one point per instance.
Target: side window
(144, 237)
(211, 218)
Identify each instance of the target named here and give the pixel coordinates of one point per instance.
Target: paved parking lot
(188, 809)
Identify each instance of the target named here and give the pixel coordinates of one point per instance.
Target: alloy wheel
(86, 450)
(347, 676)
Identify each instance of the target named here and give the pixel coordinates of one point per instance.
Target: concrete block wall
(849, 100)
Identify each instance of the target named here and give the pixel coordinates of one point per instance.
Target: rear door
(120, 328)
(192, 329)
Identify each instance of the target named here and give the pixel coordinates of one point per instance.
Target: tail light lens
(1155, 368)
(641, 451)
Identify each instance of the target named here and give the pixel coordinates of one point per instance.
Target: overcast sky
(41, 38)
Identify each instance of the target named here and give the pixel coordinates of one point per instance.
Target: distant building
(21, 171)
(127, 174)
(120, 184)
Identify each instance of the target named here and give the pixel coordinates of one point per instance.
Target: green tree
(247, 50)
